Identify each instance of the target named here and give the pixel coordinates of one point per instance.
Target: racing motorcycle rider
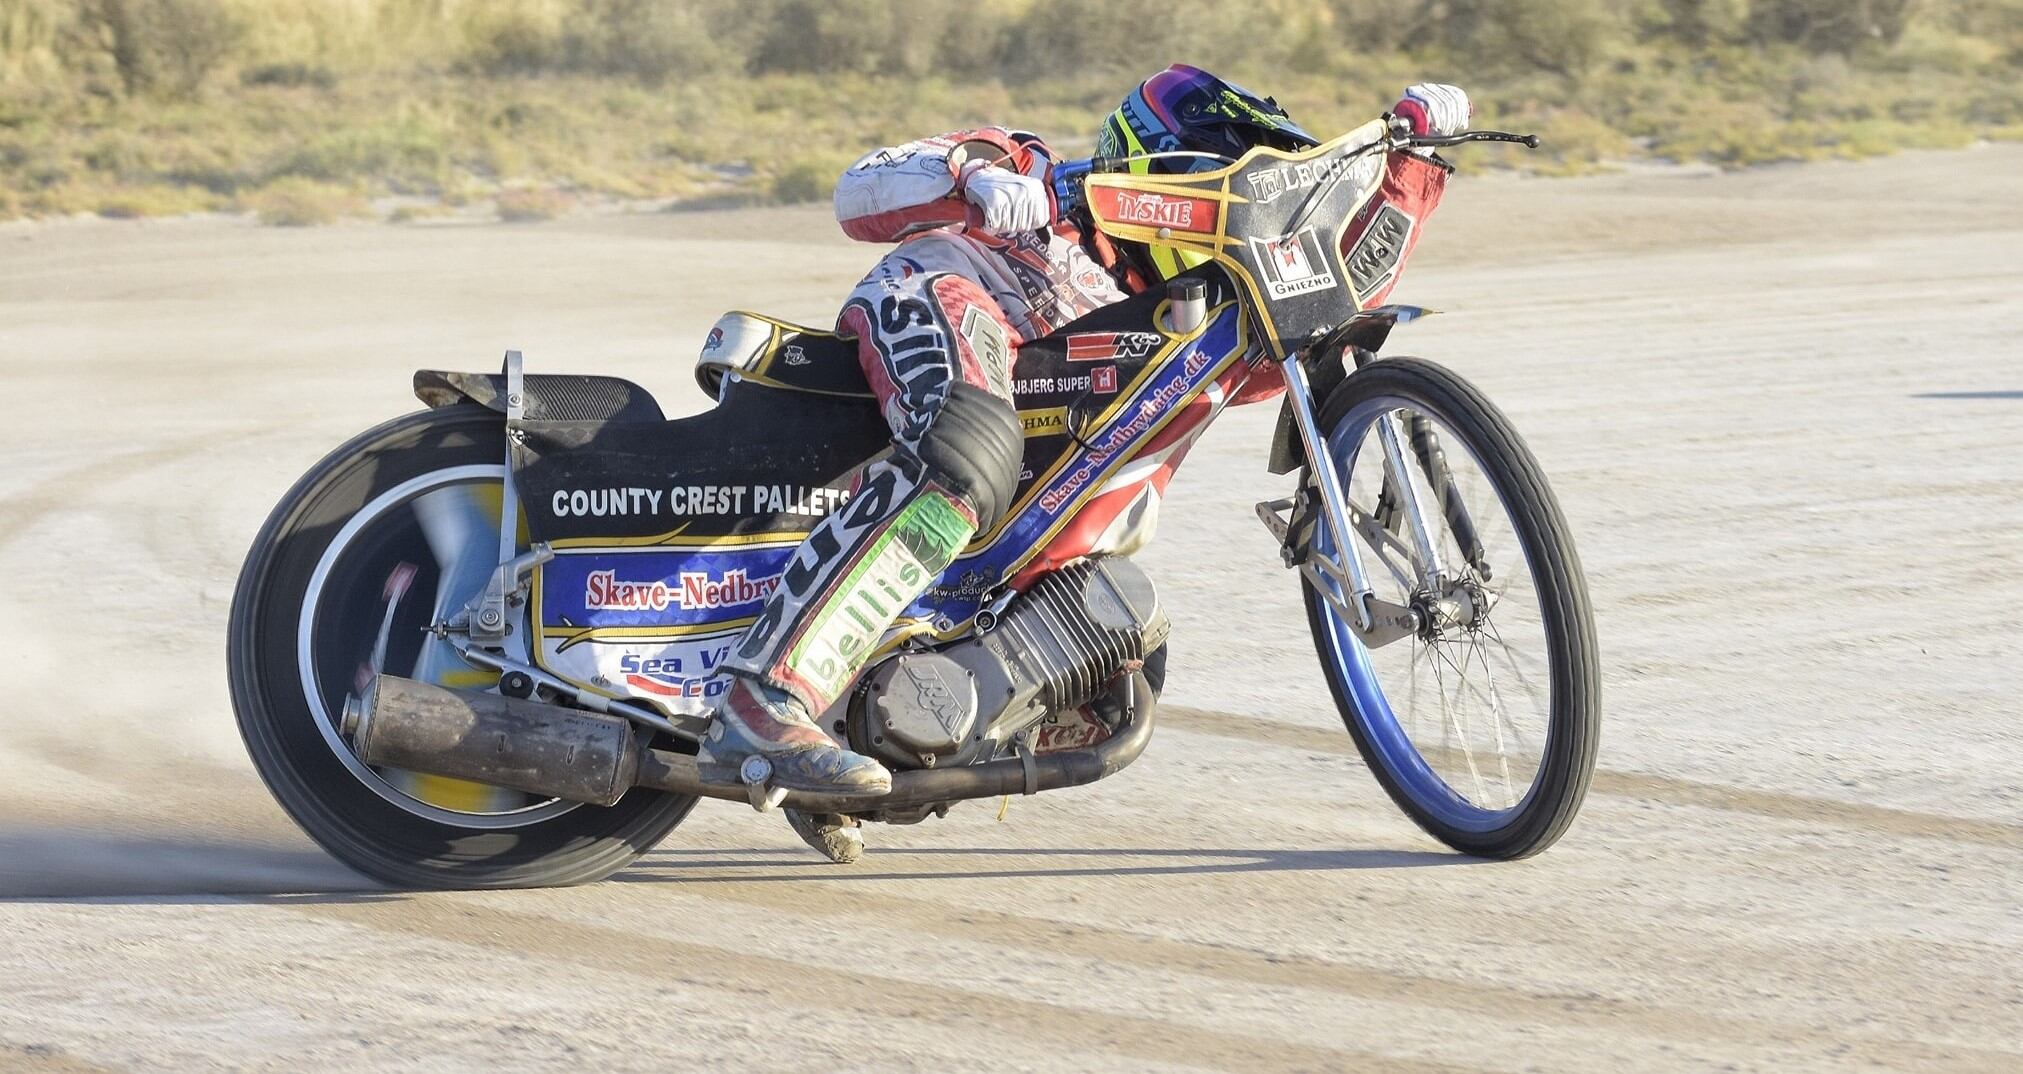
(937, 322)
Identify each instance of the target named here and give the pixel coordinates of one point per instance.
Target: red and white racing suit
(948, 304)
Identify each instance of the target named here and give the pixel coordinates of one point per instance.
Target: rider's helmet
(1187, 110)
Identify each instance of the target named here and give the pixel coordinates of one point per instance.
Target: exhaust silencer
(544, 750)
(555, 752)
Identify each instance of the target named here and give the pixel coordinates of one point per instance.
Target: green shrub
(1830, 25)
(299, 202)
(523, 206)
(134, 202)
(807, 179)
(290, 74)
(160, 46)
(409, 156)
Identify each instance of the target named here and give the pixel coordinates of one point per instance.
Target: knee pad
(972, 448)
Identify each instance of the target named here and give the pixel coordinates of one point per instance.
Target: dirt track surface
(1784, 411)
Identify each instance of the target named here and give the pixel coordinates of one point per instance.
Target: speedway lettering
(683, 500)
(603, 591)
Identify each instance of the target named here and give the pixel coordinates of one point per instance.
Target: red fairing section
(906, 189)
(1264, 382)
(1412, 185)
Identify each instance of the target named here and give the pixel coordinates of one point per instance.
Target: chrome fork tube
(1334, 501)
(1408, 495)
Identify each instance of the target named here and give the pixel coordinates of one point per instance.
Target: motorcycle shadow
(928, 863)
(65, 864)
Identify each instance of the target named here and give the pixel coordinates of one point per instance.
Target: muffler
(544, 750)
(555, 752)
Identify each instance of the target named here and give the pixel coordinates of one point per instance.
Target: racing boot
(834, 836)
(758, 720)
(909, 513)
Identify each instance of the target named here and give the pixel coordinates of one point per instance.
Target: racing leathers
(981, 266)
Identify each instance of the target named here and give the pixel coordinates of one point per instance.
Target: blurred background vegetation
(305, 111)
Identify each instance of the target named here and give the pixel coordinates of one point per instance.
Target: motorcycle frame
(1262, 336)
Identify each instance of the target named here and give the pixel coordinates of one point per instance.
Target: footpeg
(1293, 529)
(756, 774)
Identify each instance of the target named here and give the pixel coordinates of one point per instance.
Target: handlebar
(1441, 141)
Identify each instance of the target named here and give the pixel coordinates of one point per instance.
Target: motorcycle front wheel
(1480, 713)
(385, 535)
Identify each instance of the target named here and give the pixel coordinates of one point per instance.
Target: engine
(1055, 649)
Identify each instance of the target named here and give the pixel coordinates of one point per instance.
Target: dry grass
(523, 206)
(294, 101)
(298, 202)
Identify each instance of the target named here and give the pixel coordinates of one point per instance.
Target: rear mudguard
(550, 396)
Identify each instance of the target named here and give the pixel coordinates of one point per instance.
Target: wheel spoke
(1467, 755)
(1493, 657)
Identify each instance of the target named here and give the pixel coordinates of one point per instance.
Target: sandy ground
(1784, 411)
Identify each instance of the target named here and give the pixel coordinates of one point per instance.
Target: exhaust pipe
(527, 746)
(556, 752)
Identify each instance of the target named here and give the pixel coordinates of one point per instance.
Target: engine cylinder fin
(1056, 647)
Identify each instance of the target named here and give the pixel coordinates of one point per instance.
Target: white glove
(1434, 108)
(1010, 201)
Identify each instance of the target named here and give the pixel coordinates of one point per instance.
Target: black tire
(349, 819)
(1574, 716)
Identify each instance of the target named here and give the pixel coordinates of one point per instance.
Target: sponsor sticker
(1268, 184)
(1150, 407)
(1103, 379)
(1157, 210)
(986, 339)
(922, 540)
(685, 500)
(1373, 260)
(687, 589)
(1293, 264)
(1109, 346)
(605, 591)
(1048, 422)
(674, 675)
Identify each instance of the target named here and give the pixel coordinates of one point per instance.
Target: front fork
(1377, 622)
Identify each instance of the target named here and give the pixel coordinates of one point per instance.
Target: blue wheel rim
(1390, 744)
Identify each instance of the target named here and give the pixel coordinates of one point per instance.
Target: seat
(779, 354)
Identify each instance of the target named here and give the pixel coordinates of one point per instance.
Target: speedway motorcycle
(476, 646)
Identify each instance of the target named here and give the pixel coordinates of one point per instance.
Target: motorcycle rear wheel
(304, 618)
(1469, 796)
